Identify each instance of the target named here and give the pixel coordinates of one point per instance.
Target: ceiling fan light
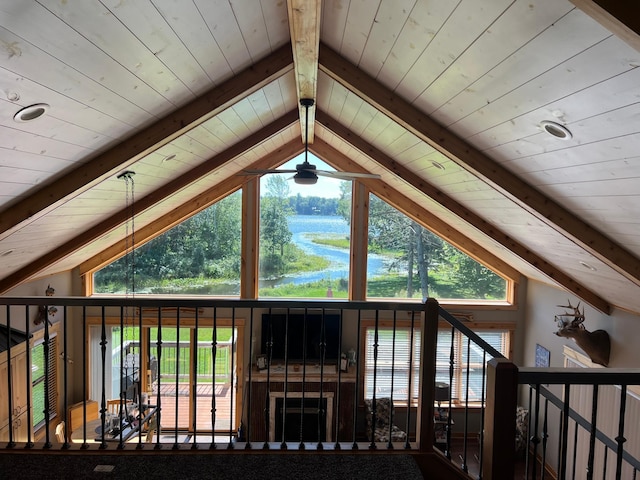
(305, 178)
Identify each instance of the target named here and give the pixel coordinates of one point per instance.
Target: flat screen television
(304, 334)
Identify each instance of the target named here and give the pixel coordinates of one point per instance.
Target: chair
(384, 426)
(60, 432)
(522, 426)
(113, 406)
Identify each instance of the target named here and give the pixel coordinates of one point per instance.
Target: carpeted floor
(132, 466)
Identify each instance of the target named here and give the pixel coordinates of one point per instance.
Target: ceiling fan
(305, 172)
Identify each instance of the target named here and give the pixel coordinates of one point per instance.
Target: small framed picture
(542, 357)
(344, 364)
(261, 362)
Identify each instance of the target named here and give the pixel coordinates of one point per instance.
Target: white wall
(541, 306)
(62, 283)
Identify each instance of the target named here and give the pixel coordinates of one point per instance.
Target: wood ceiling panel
(262, 26)
(159, 38)
(213, 135)
(521, 136)
(187, 150)
(222, 23)
(43, 40)
(96, 105)
(110, 34)
(523, 23)
(464, 25)
(14, 140)
(185, 19)
(592, 156)
(605, 59)
(391, 17)
(333, 22)
(424, 21)
(627, 187)
(69, 106)
(357, 19)
(62, 131)
(36, 166)
(250, 118)
(234, 123)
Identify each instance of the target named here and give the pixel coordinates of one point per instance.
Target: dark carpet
(217, 465)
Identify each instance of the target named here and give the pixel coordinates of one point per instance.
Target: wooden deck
(203, 406)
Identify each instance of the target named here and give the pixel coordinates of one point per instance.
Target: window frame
(506, 328)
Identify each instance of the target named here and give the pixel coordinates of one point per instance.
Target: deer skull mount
(596, 344)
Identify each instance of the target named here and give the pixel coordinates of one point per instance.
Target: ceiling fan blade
(263, 172)
(346, 175)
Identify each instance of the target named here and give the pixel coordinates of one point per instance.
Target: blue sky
(326, 187)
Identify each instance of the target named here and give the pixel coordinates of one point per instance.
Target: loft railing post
(426, 399)
(500, 420)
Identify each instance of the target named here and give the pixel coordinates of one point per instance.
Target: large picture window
(200, 256)
(305, 236)
(419, 264)
(398, 362)
(304, 249)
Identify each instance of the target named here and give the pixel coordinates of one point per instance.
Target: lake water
(304, 228)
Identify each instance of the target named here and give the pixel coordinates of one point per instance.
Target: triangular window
(408, 261)
(200, 256)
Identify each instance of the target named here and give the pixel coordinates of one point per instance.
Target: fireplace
(309, 414)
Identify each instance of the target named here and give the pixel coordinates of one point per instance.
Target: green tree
(344, 202)
(414, 247)
(205, 245)
(274, 228)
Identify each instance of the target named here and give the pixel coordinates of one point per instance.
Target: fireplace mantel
(266, 386)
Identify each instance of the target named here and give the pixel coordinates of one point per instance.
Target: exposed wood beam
(472, 219)
(190, 208)
(32, 269)
(304, 27)
(545, 209)
(622, 18)
(149, 139)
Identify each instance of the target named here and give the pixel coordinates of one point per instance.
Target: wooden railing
(327, 393)
(92, 326)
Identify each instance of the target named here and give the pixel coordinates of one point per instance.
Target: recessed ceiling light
(438, 165)
(31, 112)
(586, 265)
(6, 252)
(556, 129)
(168, 158)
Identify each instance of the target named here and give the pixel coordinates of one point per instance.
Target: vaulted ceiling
(445, 100)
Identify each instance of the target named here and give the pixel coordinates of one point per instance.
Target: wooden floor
(206, 394)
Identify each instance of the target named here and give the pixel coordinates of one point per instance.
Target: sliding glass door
(191, 379)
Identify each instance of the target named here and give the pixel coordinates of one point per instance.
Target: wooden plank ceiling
(444, 100)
